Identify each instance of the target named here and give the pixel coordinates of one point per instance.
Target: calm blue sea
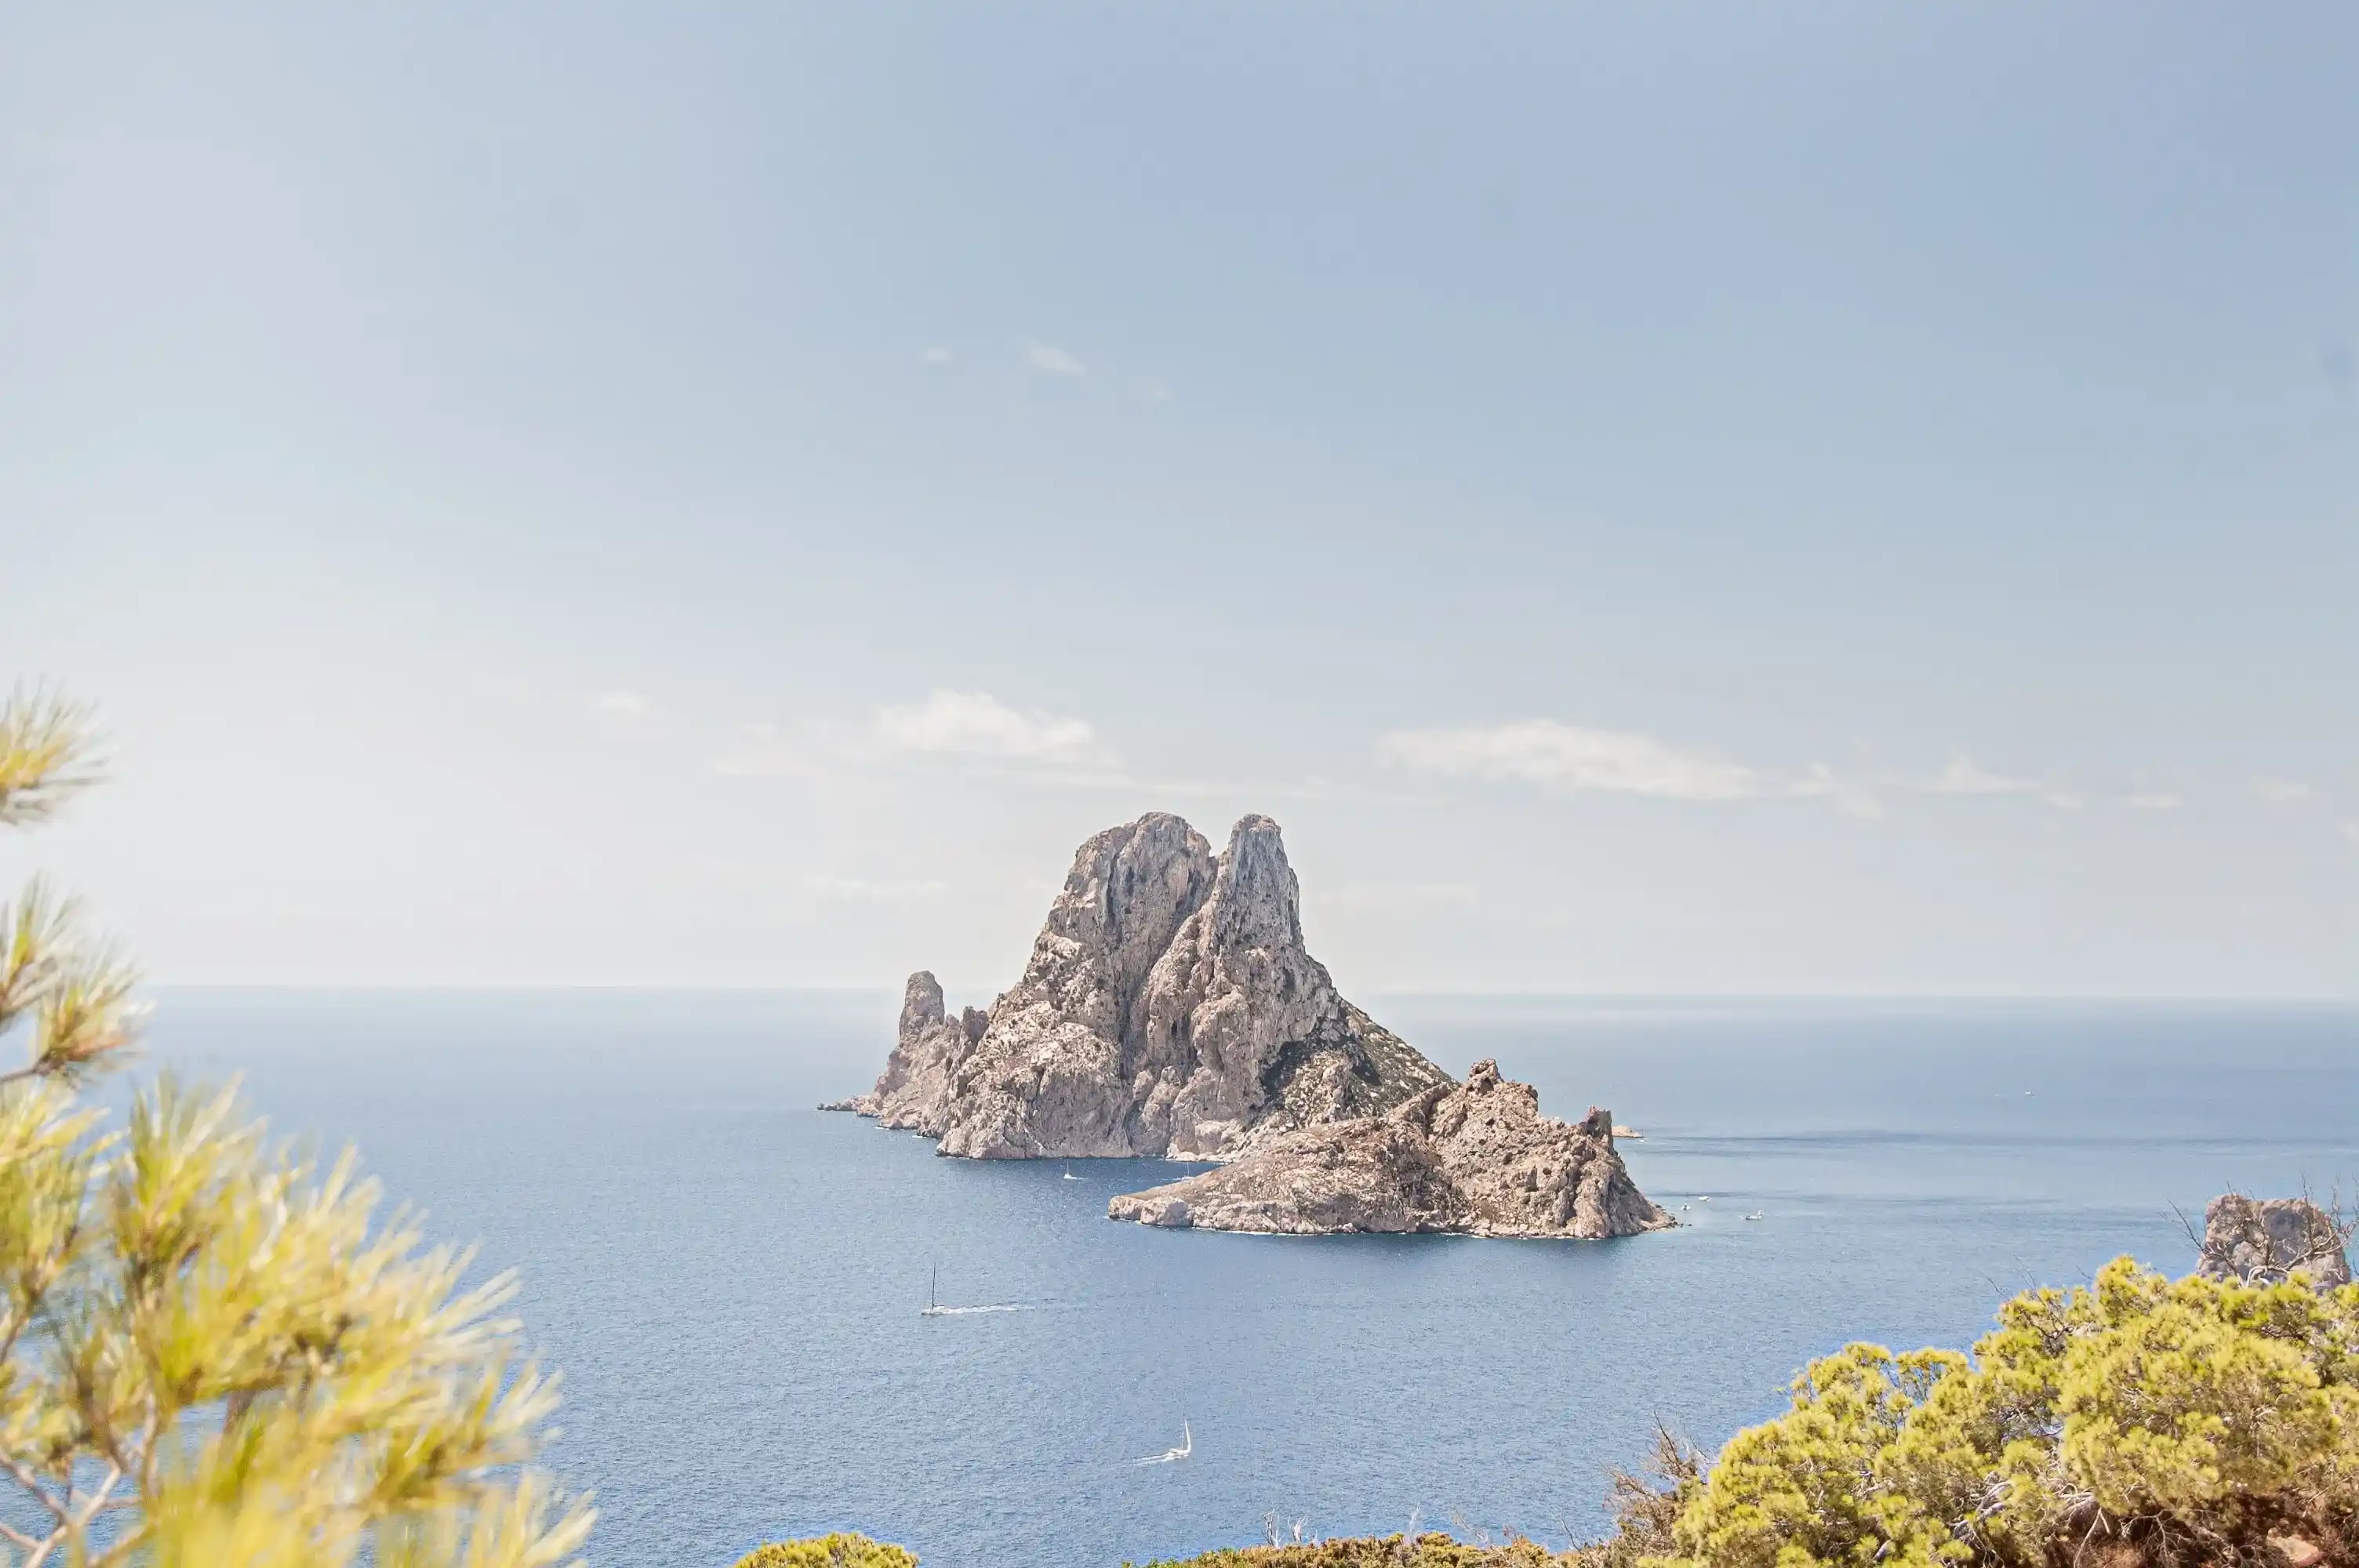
(730, 1280)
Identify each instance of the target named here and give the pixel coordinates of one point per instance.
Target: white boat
(1756, 1214)
(1170, 1455)
(1068, 1172)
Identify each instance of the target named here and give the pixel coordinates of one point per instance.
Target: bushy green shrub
(2184, 1419)
(2139, 1421)
(839, 1550)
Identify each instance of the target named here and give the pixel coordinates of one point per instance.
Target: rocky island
(1476, 1158)
(1170, 1011)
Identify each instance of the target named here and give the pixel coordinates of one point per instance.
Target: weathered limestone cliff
(1169, 1009)
(1476, 1158)
(2272, 1239)
(914, 1093)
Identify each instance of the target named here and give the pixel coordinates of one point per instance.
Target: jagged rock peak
(1129, 890)
(1256, 893)
(1168, 1007)
(921, 1002)
(928, 1050)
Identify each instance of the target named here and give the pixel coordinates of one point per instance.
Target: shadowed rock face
(1245, 1036)
(2272, 1239)
(1476, 1158)
(1170, 1008)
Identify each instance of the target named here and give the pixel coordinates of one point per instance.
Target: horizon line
(1450, 993)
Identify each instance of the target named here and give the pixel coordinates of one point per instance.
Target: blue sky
(1669, 498)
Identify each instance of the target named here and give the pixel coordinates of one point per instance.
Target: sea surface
(731, 1279)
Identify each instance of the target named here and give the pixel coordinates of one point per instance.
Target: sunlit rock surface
(1476, 1158)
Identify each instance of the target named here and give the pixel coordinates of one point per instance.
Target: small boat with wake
(1173, 1455)
(936, 1307)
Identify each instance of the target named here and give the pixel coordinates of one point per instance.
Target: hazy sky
(1653, 497)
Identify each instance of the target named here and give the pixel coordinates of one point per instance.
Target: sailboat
(937, 1307)
(1069, 1172)
(1187, 1446)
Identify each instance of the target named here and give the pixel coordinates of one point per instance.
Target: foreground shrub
(2178, 1420)
(212, 1353)
(2140, 1421)
(840, 1551)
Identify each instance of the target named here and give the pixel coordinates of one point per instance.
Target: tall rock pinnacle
(1170, 1008)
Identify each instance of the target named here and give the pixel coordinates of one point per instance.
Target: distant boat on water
(1069, 1172)
(1170, 1455)
(937, 1307)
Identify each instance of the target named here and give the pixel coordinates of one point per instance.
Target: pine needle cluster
(213, 1351)
(2139, 1420)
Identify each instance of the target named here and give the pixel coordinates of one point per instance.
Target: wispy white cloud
(937, 355)
(2282, 791)
(1965, 778)
(1563, 756)
(1554, 755)
(2153, 800)
(860, 889)
(1850, 796)
(2351, 831)
(1962, 777)
(624, 704)
(1051, 360)
(977, 724)
(972, 726)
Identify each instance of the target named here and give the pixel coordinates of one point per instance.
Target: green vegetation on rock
(840, 1551)
(2185, 1421)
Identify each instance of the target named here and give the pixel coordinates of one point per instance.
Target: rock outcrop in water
(1476, 1158)
(914, 1093)
(1170, 1008)
(2270, 1239)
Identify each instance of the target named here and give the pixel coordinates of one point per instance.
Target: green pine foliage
(2139, 1421)
(2142, 1418)
(213, 1350)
